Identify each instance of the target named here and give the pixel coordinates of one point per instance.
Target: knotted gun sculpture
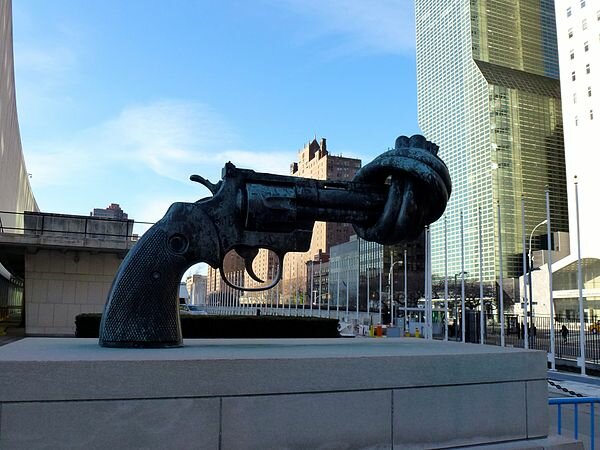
(389, 201)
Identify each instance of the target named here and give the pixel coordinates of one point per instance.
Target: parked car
(192, 309)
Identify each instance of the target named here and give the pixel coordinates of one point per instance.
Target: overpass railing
(74, 226)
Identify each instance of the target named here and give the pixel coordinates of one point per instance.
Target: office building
(113, 211)
(314, 161)
(489, 96)
(578, 36)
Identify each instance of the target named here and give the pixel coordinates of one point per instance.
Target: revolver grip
(142, 307)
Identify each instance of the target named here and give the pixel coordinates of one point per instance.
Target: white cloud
(171, 138)
(380, 26)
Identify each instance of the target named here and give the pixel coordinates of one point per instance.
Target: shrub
(215, 327)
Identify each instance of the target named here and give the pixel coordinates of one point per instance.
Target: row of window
(584, 26)
(589, 94)
(587, 71)
(569, 11)
(586, 48)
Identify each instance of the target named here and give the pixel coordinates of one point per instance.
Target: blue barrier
(575, 401)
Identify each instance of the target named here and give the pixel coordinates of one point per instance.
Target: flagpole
(368, 283)
(525, 321)
(277, 292)
(429, 288)
(481, 308)
(580, 287)
(551, 295)
(380, 283)
(462, 278)
(502, 337)
(357, 278)
(426, 286)
(347, 289)
(320, 285)
(391, 281)
(312, 282)
(445, 278)
(337, 295)
(405, 294)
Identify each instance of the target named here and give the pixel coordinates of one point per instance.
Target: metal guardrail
(42, 227)
(559, 402)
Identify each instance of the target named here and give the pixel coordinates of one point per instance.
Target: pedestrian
(564, 331)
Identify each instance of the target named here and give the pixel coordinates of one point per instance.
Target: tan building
(196, 287)
(314, 161)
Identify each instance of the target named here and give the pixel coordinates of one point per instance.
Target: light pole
(391, 280)
(544, 222)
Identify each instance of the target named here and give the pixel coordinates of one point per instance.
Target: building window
(573, 76)
(589, 91)
(587, 68)
(570, 33)
(572, 54)
(569, 11)
(584, 24)
(586, 46)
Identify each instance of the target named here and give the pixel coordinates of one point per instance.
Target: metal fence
(575, 402)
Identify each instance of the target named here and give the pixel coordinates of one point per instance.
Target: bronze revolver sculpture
(390, 200)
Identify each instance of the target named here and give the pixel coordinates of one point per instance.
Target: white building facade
(578, 36)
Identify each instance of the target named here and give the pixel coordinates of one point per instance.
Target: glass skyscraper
(489, 96)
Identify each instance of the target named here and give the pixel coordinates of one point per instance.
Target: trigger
(248, 265)
(248, 254)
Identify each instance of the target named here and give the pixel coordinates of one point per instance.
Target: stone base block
(261, 394)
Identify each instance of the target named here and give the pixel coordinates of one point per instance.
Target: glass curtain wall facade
(489, 96)
(374, 262)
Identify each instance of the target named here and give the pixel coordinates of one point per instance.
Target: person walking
(564, 331)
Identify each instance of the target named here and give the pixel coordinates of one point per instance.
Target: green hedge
(213, 327)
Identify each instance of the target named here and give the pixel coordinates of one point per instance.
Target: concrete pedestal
(261, 394)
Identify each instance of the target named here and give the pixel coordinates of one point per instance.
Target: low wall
(229, 394)
(60, 284)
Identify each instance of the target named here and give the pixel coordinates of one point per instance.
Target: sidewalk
(587, 386)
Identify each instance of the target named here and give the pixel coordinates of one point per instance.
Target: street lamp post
(530, 257)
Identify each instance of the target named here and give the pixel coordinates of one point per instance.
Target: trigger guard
(255, 289)
(249, 289)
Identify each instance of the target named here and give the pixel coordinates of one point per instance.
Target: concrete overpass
(67, 263)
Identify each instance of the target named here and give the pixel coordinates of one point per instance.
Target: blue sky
(121, 100)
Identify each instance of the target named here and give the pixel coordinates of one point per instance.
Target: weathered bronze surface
(389, 201)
